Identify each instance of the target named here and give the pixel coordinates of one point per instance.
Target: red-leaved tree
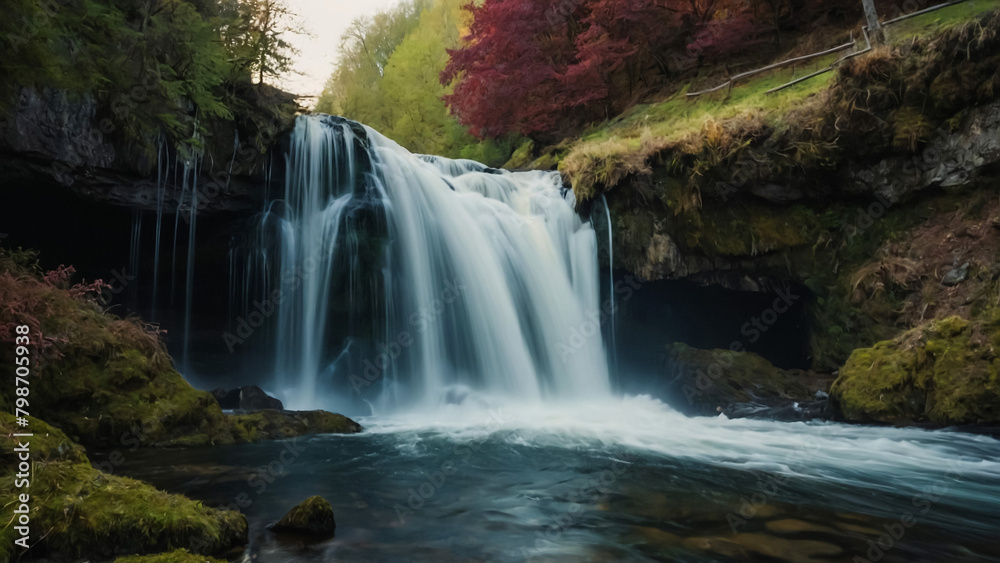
(509, 74)
(531, 66)
(535, 67)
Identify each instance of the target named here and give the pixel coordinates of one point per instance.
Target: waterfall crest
(464, 280)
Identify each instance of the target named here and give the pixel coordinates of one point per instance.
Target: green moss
(522, 157)
(943, 372)
(314, 516)
(88, 514)
(178, 556)
(745, 230)
(101, 397)
(275, 425)
(47, 443)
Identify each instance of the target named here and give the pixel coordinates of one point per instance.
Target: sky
(325, 20)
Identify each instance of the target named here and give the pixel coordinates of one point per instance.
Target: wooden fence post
(875, 34)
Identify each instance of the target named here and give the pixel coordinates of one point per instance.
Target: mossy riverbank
(101, 382)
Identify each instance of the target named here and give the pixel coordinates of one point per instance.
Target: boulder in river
(228, 400)
(249, 398)
(253, 398)
(741, 385)
(313, 517)
(942, 373)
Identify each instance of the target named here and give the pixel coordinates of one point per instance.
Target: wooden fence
(868, 47)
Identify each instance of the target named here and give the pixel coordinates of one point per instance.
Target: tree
(365, 48)
(388, 78)
(530, 68)
(256, 33)
(508, 75)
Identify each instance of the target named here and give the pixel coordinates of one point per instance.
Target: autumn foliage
(533, 67)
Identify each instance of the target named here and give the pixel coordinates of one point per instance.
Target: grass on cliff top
(614, 149)
(940, 20)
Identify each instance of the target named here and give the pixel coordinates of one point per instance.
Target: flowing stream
(616, 480)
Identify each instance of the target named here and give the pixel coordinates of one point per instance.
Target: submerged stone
(313, 517)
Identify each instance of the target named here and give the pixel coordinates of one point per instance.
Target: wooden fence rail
(833, 65)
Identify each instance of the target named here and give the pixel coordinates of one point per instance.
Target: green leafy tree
(365, 49)
(388, 77)
(154, 66)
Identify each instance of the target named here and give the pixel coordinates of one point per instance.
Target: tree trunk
(875, 34)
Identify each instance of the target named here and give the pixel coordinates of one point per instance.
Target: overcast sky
(326, 20)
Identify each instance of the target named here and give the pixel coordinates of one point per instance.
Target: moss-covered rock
(85, 513)
(276, 425)
(707, 382)
(47, 443)
(943, 372)
(313, 517)
(177, 556)
(101, 379)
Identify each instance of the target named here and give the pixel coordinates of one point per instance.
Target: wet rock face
(314, 517)
(951, 159)
(53, 124)
(55, 136)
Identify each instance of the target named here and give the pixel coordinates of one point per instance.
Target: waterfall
(162, 175)
(189, 193)
(193, 169)
(611, 281)
(134, 256)
(465, 280)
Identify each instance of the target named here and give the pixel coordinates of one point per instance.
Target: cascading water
(611, 282)
(482, 281)
(134, 256)
(162, 178)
